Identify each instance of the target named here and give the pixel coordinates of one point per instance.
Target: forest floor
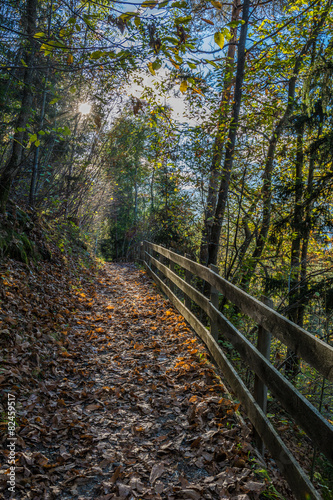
(115, 396)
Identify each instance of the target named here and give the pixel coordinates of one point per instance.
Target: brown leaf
(188, 493)
(184, 482)
(116, 474)
(92, 407)
(156, 472)
(123, 490)
(196, 442)
(254, 486)
(159, 487)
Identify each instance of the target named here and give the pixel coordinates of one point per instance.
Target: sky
(177, 103)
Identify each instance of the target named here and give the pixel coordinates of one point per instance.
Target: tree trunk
(218, 147)
(15, 161)
(293, 361)
(136, 194)
(267, 180)
(34, 175)
(306, 237)
(213, 244)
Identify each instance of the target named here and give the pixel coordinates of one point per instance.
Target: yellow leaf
(198, 91)
(215, 4)
(207, 21)
(70, 59)
(151, 69)
(149, 3)
(219, 39)
(174, 63)
(183, 86)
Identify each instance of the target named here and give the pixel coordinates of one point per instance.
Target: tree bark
(213, 244)
(293, 361)
(306, 237)
(218, 146)
(15, 161)
(34, 174)
(267, 180)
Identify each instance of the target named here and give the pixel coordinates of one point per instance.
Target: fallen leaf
(156, 472)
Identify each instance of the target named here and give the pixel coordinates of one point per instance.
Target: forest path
(133, 409)
(159, 419)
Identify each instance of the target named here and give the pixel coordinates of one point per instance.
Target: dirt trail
(134, 409)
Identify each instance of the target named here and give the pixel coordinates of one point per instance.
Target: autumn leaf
(151, 69)
(183, 86)
(149, 3)
(219, 40)
(116, 474)
(156, 472)
(174, 63)
(116, 394)
(207, 21)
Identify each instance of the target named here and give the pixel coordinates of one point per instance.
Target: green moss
(16, 246)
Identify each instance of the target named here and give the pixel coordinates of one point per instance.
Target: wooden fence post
(164, 261)
(170, 283)
(142, 251)
(214, 298)
(188, 279)
(157, 257)
(260, 389)
(146, 255)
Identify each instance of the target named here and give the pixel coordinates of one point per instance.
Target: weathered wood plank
(304, 413)
(214, 298)
(189, 290)
(188, 278)
(296, 477)
(298, 481)
(198, 269)
(172, 269)
(260, 388)
(190, 318)
(313, 350)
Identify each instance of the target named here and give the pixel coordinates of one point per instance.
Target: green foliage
(324, 478)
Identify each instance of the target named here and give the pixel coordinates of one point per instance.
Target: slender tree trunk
(306, 237)
(293, 361)
(14, 163)
(152, 190)
(267, 181)
(297, 225)
(239, 256)
(136, 194)
(34, 174)
(218, 147)
(213, 244)
(70, 166)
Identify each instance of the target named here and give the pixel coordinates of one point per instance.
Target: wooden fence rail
(315, 352)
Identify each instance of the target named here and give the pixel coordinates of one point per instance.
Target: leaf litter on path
(116, 397)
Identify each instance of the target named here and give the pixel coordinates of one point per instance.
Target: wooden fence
(161, 262)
